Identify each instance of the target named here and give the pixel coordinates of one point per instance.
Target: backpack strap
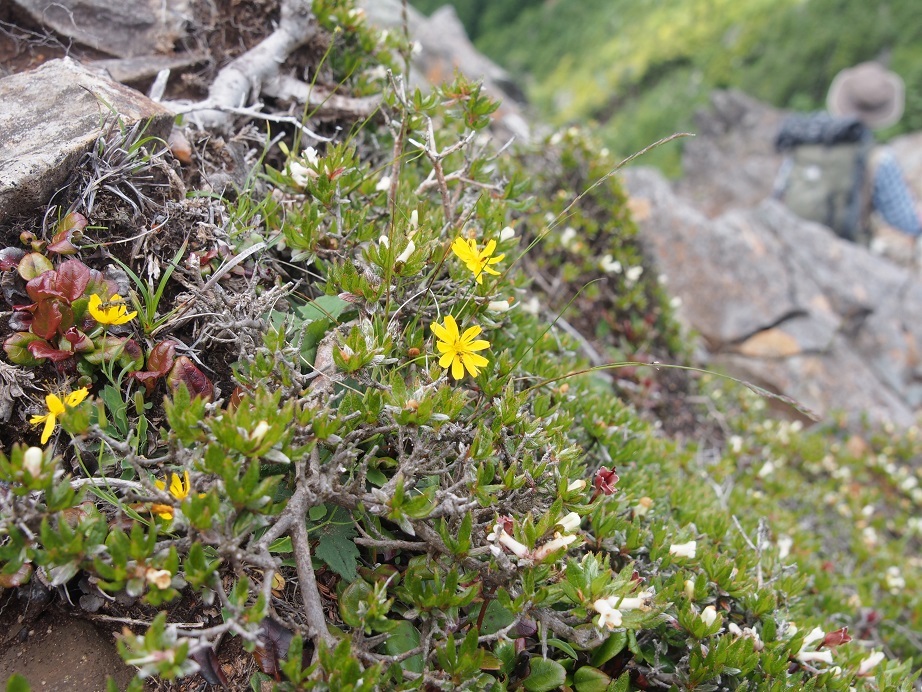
(857, 220)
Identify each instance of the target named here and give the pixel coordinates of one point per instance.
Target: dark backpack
(825, 175)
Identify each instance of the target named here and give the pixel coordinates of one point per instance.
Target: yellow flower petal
(440, 332)
(473, 362)
(457, 369)
(445, 360)
(54, 404)
(162, 511)
(478, 345)
(76, 397)
(49, 428)
(443, 347)
(160, 484)
(470, 333)
(451, 329)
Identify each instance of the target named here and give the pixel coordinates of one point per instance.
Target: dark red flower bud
(604, 481)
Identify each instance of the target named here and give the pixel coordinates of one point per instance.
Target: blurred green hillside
(639, 68)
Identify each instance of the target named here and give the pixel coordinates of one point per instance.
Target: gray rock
(125, 28)
(49, 117)
(787, 305)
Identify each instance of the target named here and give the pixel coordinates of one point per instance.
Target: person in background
(876, 97)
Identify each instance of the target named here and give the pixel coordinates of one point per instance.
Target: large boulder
(49, 117)
(125, 28)
(786, 304)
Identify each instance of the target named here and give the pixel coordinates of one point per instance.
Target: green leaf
(546, 675)
(622, 684)
(610, 648)
(329, 307)
(17, 348)
(563, 646)
(317, 512)
(495, 618)
(33, 265)
(281, 545)
(17, 683)
(404, 637)
(336, 547)
(589, 679)
(351, 600)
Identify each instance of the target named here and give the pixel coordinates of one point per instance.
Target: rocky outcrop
(779, 301)
(124, 29)
(49, 117)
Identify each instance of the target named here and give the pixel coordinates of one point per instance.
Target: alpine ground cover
(389, 415)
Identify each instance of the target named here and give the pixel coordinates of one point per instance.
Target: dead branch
(242, 80)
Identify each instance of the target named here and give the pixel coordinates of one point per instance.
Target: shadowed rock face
(116, 27)
(786, 304)
(49, 117)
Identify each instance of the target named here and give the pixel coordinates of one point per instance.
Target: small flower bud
(690, 589)
(506, 234)
(709, 615)
(384, 184)
(870, 663)
(405, 255)
(684, 549)
(578, 484)
(498, 306)
(570, 523)
(259, 432)
(32, 461)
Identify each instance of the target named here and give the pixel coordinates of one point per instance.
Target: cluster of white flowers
(747, 633)
(302, 174)
(610, 609)
(807, 653)
(499, 537)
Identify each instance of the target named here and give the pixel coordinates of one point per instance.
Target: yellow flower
(478, 261)
(115, 313)
(56, 407)
(179, 488)
(458, 350)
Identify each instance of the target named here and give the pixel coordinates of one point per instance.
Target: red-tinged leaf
(274, 640)
(132, 357)
(42, 349)
(44, 286)
(61, 245)
(100, 285)
(209, 666)
(47, 318)
(17, 578)
(72, 279)
(33, 265)
(74, 221)
(147, 378)
(159, 361)
(21, 320)
(10, 256)
(17, 348)
(161, 357)
(185, 372)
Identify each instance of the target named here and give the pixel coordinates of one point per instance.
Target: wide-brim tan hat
(868, 92)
